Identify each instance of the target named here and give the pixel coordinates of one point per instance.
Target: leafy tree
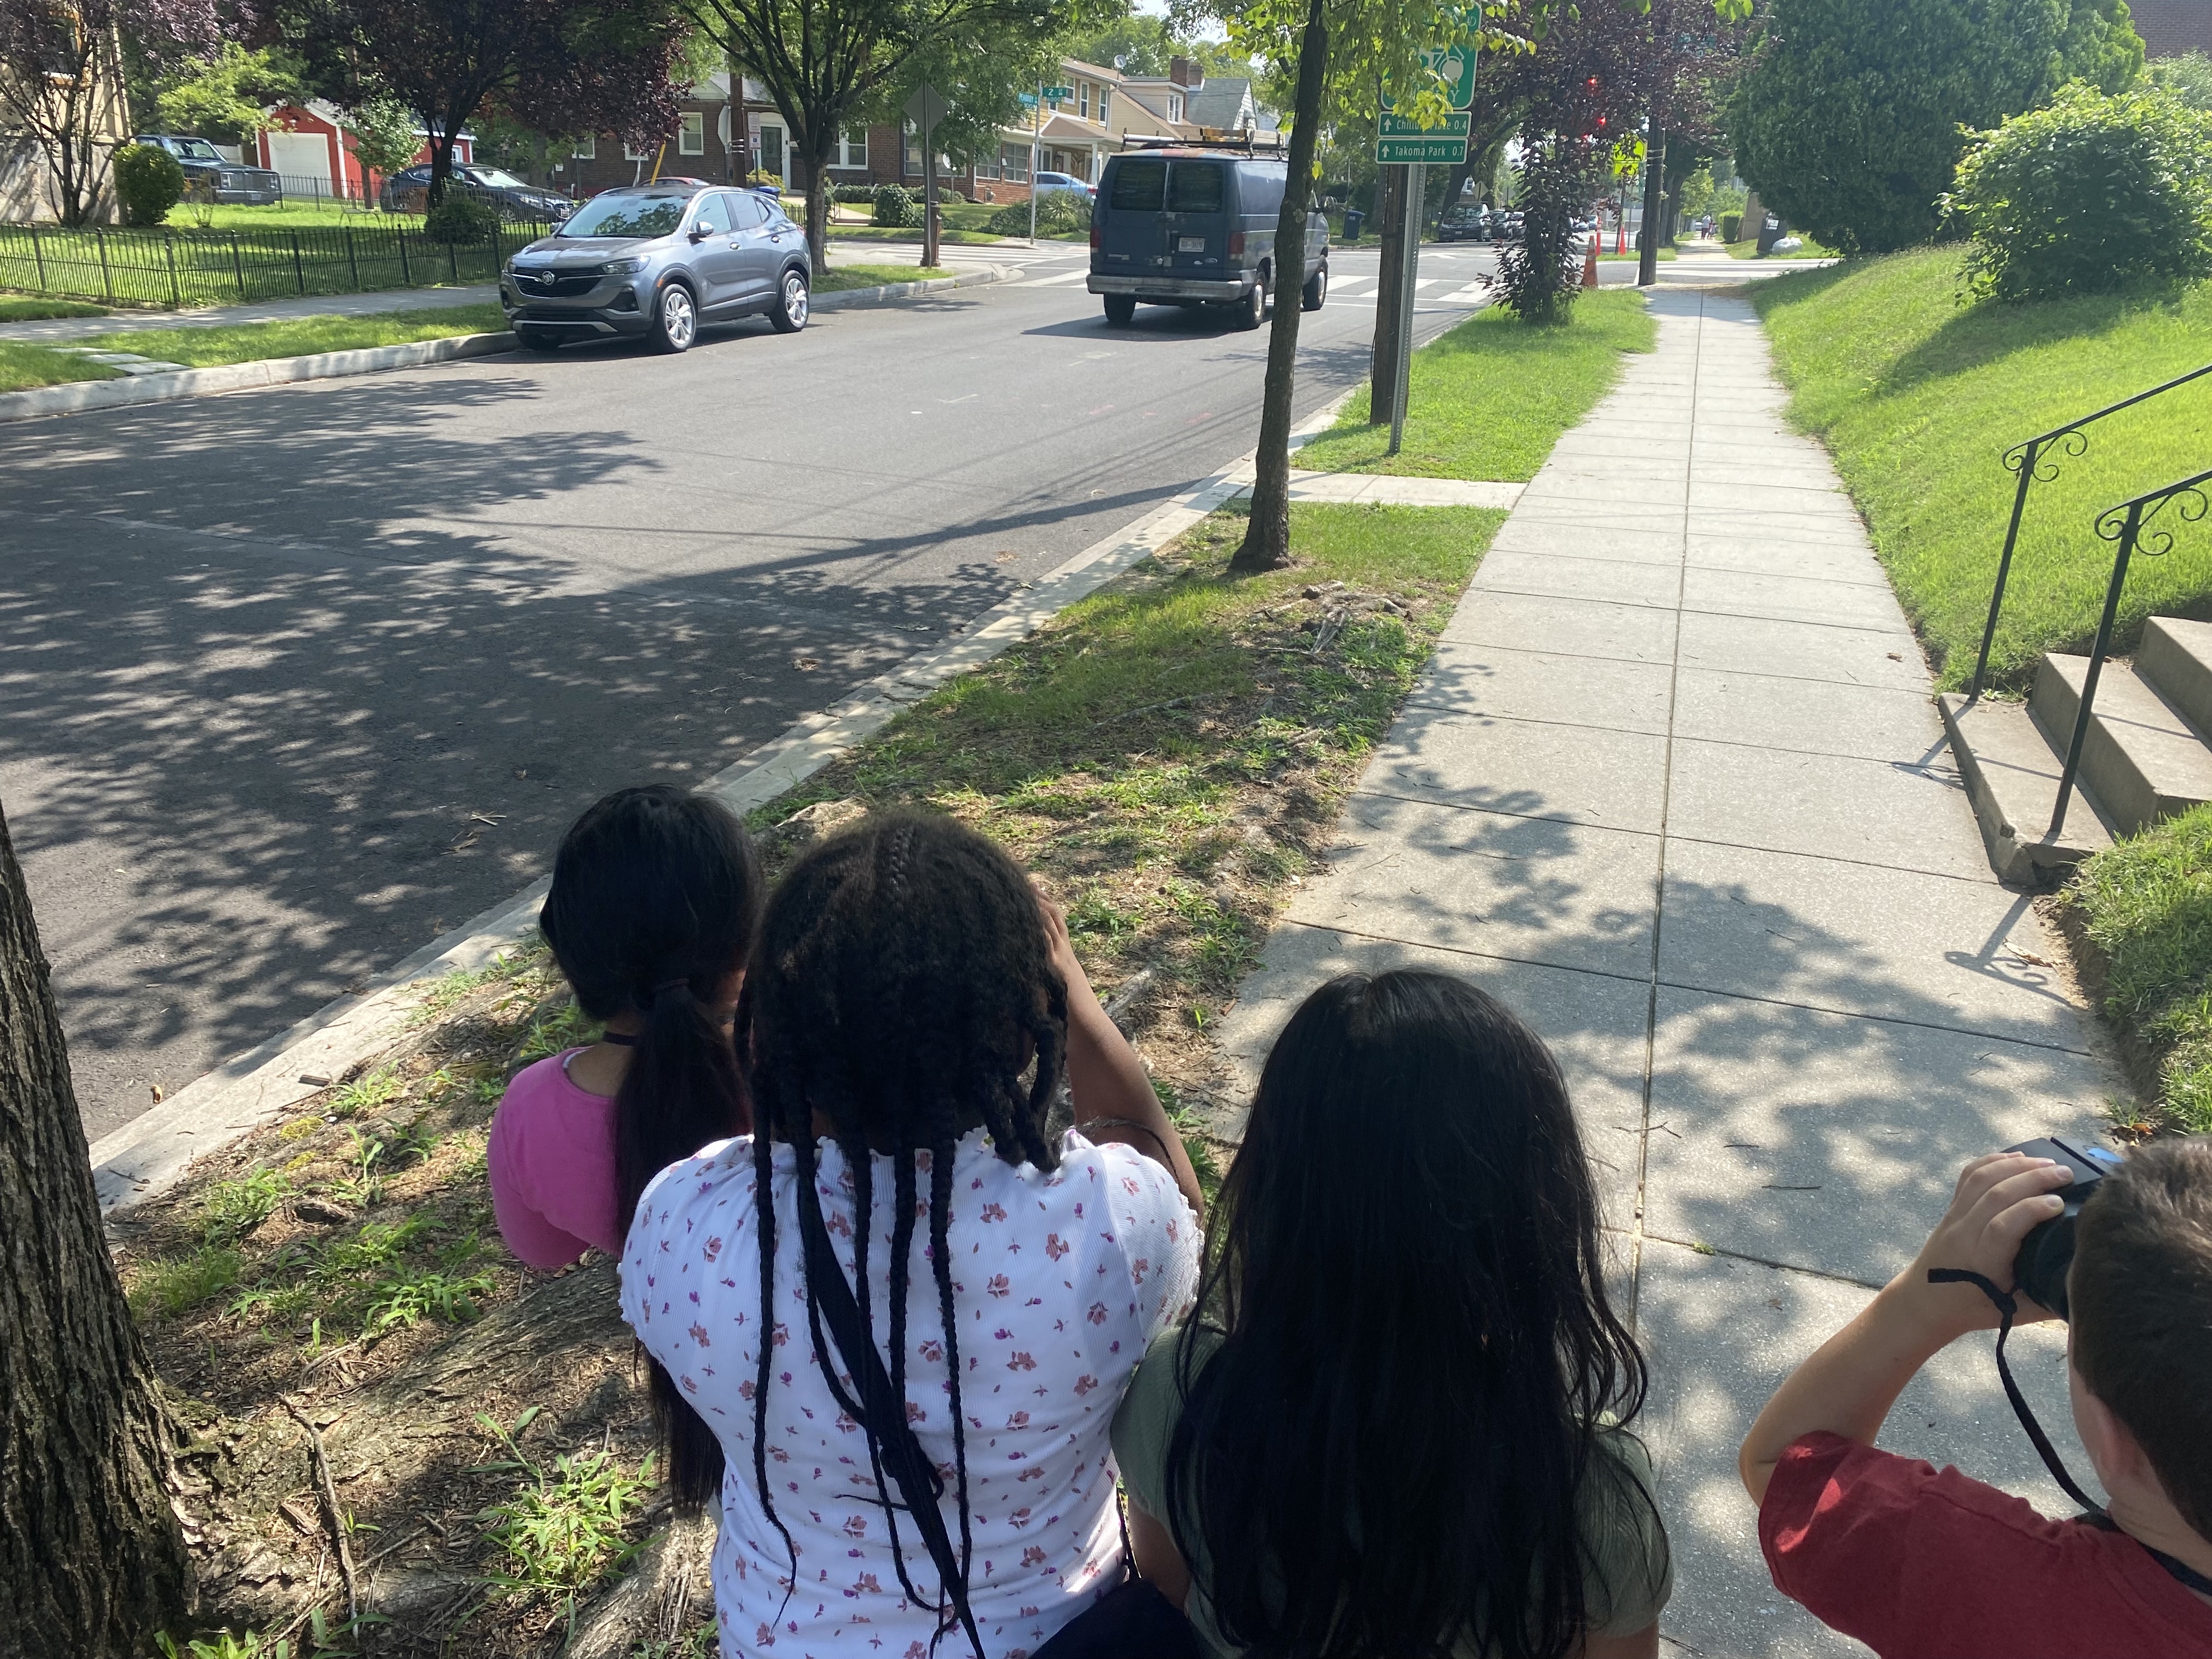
(828, 64)
(92, 1561)
(61, 78)
(561, 65)
(386, 135)
(2187, 76)
(223, 99)
(1849, 122)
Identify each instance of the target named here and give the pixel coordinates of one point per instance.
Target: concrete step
(2141, 761)
(2011, 773)
(2176, 657)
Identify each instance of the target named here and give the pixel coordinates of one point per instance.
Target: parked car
(656, 261)
(206, 171)
(1049, 183)
(1189, 227)
(409, 192)
(1462, 223)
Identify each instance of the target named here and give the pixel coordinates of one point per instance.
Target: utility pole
(1036, 139)
(1655, 197)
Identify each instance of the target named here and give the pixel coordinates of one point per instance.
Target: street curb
(149, 1154)
(82, 396)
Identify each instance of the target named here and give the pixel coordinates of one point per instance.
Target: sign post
(1401, 141)
(926, 109)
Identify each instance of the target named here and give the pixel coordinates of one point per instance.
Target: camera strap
(2007, 1307)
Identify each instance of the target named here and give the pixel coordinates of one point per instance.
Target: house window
(637, 153)
(587, 149)
(913, 152)
(691, 133)
(1014, 163)
(852, 149)
(1105, 104)
(1175, 106)
(1083, 99)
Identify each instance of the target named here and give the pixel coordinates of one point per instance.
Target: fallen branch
(326, 1500)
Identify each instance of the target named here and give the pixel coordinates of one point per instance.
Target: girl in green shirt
(1395, 1427)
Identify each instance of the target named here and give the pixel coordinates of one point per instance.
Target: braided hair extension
(655, 898)
(902, 990)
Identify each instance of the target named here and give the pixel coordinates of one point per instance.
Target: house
(2170, 27)
(700, 146)
(29, 189)
(311, 148)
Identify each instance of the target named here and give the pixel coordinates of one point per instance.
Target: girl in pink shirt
(656, 896)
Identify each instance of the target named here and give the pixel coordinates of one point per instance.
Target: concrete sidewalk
(1673, 789)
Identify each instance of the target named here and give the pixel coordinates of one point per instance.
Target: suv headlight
(621, 267)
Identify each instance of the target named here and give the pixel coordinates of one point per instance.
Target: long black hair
(656, 896)
(904, 990)
(1383, 1458)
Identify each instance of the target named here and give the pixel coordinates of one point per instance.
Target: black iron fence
(177, 268)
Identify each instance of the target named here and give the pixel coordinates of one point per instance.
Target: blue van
(1190, 227)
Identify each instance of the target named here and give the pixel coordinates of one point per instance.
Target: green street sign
(1460, 127)
(1456, 65)
(1058, 94)
(1434, 150)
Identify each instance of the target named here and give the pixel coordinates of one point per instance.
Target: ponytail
(655, 899)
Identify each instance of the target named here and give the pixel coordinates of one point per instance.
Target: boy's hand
(1999, 1200)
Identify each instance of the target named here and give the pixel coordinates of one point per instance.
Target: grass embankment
(1489, 398)
(2146, 908)
(30, 308)
(838, 278)
(1748, 249)
(23, 366)
(1918, 399)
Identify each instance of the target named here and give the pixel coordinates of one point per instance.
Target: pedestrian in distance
(1396, 1423)
(1915, 1562)
(908, 1312)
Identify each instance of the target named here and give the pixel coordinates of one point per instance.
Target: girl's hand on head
(1058, 946)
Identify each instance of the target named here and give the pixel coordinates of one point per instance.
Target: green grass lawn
(303, 212)
(839, 278)
(300, 337)
(25, 309)
(23, 366)
(2147, 907)
(1489, 398)
(1917, 398)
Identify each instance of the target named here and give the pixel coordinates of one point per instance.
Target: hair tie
(646, 1003)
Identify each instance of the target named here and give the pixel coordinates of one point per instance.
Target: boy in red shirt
(1911, 1561)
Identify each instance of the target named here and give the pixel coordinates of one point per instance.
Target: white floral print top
(1059, 1282)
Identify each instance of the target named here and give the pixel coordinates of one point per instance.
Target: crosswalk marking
(1471, 291)
(1065, 280)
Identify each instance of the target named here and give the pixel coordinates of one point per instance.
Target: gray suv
(657, 261)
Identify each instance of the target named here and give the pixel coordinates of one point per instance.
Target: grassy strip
(1748, 249)
(1170, 754)
(23, 366)
(2145, 906)
(286, 214)
(841, 277)
(1489, 398)
(887, 234)
(28, 309)
(299, 337)
(1917, 398)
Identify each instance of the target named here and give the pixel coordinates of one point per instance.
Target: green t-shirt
(1628, 1571)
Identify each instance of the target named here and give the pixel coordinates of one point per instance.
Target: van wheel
(1316, 289)
(792, 302)
(1252, 310)
(1121, 308)
(675, 320)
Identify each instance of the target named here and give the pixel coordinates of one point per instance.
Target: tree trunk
(1655, 201)
(1382, 361)
(441, 162)
(1267, 538)
(92, 1561)
(818, 203)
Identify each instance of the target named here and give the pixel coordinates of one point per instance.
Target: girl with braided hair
(655, 897)
(911, 1008)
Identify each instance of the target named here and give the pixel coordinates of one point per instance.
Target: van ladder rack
(1248, 145)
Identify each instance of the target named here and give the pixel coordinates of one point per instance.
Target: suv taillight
(1094, 232)
(1236, 243)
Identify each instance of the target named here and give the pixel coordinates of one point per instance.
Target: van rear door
(1202, 207)
(1132, 235)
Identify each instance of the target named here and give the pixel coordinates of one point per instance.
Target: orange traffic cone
(1589, 264)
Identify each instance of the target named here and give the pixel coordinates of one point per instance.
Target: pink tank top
(552, 1163)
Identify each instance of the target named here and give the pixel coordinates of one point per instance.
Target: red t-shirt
(1912, 1562)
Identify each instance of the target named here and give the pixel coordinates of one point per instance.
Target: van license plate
(1190, 245)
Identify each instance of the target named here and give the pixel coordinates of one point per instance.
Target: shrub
(1539, 276)
(1058, 213)
(852, 192)
(2088, 194)
(1731, 224)
(147, 183)
(895, 206)
(461, 218)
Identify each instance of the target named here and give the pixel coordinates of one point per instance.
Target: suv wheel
(1317, 287)
(675, 320)
(789, 312)
(1252, 310)
(1121, 308)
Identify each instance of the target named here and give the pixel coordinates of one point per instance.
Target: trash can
(1354, 218)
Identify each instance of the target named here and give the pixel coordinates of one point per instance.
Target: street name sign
(1399, 139)
(1059, 94)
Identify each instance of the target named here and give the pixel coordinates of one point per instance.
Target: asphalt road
(292, 682)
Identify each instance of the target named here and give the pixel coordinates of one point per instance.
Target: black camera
(2040, 1270)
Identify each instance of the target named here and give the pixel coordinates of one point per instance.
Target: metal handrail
(2031, 461)
(2124, 525)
